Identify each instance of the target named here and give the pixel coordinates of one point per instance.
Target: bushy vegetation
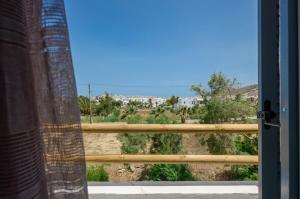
(220, 105)
(133, 143)
(168, 172)
(166, 144)
(246, 173)
(97, 173)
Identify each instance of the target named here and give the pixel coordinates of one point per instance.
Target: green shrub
(135, 119)
(97, 173)
(219, 144)
(133, 143)
(114, 117)
(234, 144)
(167, 172)
(246, 144)
(166, 143)
(245, 173)
(162, 119)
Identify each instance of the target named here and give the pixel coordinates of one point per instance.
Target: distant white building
(188, 101)
(156, 101)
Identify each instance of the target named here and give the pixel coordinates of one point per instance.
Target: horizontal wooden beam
(175, 159)
(169, 128)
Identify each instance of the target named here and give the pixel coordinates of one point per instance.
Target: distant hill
(250, 91)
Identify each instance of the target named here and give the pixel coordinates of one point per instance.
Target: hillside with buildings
(247, 92)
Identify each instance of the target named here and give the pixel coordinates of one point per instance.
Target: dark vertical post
(269, 169)
(289, 116)
(90, 104)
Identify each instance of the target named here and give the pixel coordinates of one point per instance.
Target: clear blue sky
(161, 47)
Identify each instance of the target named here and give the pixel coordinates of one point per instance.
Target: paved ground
(183, 190)
(176, 196)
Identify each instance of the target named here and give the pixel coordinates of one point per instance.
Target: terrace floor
(177, 196)
(174, 190)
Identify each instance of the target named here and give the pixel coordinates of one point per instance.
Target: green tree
(183, 112)
(172, 101)
(130, 110)
(107, 105)
(84, 105)
(157, 111)
(220, 106)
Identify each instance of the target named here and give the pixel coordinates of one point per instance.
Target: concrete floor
(176, 196)
(140, 190)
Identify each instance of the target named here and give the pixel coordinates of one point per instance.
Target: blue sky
(161, 47)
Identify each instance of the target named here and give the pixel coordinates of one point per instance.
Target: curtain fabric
(41, 146)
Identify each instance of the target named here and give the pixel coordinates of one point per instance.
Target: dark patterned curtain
(41, 147)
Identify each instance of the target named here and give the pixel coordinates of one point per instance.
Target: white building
(188, 101)
(156, 101)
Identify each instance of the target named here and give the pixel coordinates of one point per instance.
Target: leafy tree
(218, 84)
(183, 112)
(220, 106)
(84, 104)
(130, 110)
(150, 103)
(107, 105)
(136, 104)
(172, 101)
(157, 111)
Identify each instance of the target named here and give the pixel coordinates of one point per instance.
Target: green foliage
(84, 105)
(220, 106)
(231, 144)
(129, 111)
(183, 112)
(166, 144)
(172, 101)
(245, 173)
(161, 143)
(162, 119)
(167, 172)
(107, 105)
(158, 111)
(133, 143)
(114, 117)
(219, 144)
(97, 173)
(246, 144)
(136, 104)
(135, 119)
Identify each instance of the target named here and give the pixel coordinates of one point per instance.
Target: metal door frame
(289, 99)
(268, 81)
(279, 94)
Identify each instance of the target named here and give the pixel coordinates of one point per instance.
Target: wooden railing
(172, 128)
(169, 128)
